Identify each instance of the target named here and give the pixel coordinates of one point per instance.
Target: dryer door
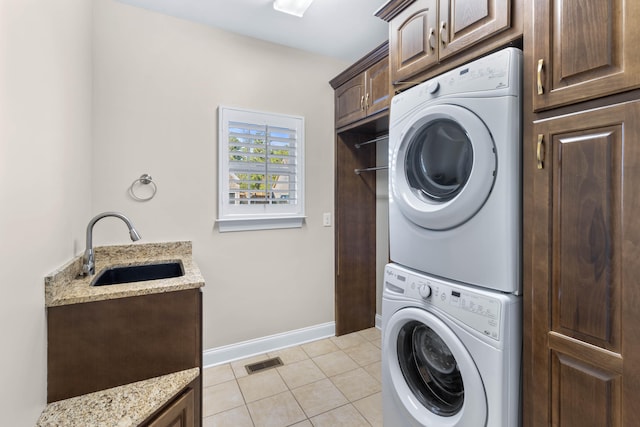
(442, 167)
(432, 373)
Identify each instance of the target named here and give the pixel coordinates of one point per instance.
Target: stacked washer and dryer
(451, 304)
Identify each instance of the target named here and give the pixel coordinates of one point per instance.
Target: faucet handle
(88, 264)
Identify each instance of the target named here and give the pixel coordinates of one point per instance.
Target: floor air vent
(264, 365)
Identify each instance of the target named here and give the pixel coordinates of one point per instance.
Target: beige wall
(45, 150)
(92, 95)
(158, 84)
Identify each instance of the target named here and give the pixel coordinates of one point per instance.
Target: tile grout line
(349, 401)
(309, 357)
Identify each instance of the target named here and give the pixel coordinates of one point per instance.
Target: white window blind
(261, 174)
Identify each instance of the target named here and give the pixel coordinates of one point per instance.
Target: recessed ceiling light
(292, 7)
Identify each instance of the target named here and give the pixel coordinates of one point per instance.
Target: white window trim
(263, 217)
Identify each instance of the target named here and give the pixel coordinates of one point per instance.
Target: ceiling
(343, 29)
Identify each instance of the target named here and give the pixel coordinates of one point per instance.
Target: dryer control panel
(498, 74)
(476, 308)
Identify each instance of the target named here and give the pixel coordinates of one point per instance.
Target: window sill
(261, 223)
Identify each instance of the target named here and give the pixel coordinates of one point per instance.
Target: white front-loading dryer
(454, 174)
(450, 353)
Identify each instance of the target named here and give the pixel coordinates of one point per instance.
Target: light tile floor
(331, 382)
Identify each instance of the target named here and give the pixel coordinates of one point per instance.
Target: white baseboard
(378, 321)
(241, 350)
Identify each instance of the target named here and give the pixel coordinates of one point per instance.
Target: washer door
(433, 375)
(443, 167)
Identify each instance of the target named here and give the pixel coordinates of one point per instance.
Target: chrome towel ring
(145, 179)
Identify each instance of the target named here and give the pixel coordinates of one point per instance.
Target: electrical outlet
(326, 219)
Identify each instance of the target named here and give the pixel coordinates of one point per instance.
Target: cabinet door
(97, 345)
(585, 264)
(178, 414)
(467, 22)
(413, 44)
(377, 87)
(350, 105)
(584, 49)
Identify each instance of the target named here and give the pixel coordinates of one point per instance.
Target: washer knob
(433, 87)
(425, 291)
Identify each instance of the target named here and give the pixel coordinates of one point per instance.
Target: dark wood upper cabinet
(424, 33)
(413, 40)
(584, 49)
(363, 90)
(466, 22)
(350, 101)
(377, 96)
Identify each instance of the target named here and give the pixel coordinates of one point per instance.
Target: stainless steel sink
(138, 273)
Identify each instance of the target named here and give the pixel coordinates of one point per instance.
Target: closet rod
(380, 138)
(377, 168)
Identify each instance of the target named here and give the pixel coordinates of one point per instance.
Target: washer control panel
(473, 307)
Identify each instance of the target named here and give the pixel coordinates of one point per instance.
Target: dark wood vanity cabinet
(98, 345)
(179, 413)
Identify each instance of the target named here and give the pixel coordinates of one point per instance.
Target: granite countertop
(124, 406)
(67, 286)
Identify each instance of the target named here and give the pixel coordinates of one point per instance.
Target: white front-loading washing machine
(450, 353)
(455, 174)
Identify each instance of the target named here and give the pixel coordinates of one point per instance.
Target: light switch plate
(326, 219)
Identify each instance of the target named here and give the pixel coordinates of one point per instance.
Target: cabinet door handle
(366, 100)
(540, 151)
(432, 39)
(540, 68)
(443, 33)
(362, 102)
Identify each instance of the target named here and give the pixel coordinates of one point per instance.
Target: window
(261, 182)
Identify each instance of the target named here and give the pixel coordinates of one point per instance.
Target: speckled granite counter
(124, 406)
(66, 286)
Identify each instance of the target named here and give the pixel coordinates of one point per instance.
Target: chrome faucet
(88, 265)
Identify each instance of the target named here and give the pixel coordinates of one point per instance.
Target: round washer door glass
(442, 167)
(430, 369)
(432, 374)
